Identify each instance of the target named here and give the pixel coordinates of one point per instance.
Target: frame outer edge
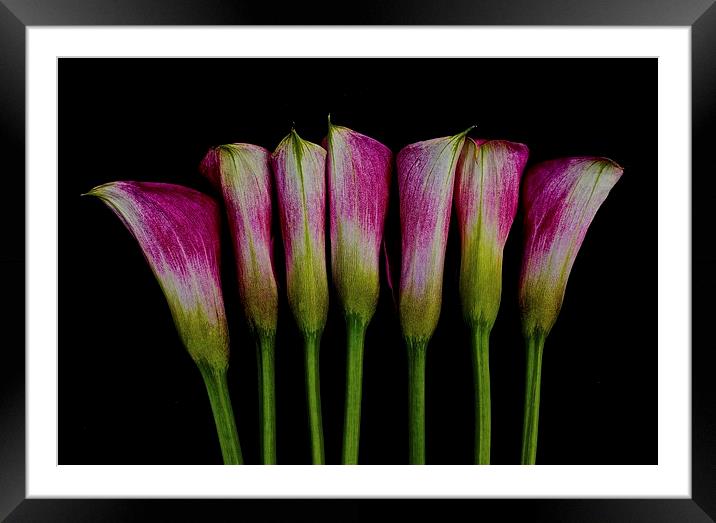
(703, 362)
(372, 12)
(12, 262)
(12, 98)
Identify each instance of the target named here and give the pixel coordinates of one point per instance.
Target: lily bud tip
(466, 131)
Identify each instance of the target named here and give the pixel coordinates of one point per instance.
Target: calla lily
(177, 229)
(359, 171)
(561, 198)
(486, 196)
(299, 169)
(243, 175)
(426, 176)
(487, 190)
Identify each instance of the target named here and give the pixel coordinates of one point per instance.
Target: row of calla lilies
(178, 229)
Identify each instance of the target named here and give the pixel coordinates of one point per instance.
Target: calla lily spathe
(560, 198)
(486, 196)
(299, 170)
(177, 229)
(358, 169)
(242, 173)
(487, 190)
(358, 172)
(426, 177)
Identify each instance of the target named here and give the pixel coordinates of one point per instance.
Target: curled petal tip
(210, 166)
(614, 164)
(101, 191)
(466, 131)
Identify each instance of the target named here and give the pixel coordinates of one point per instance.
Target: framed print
(127, 393)
(176, 91)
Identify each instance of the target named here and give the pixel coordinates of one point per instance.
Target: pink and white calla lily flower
(358, 170)
(299, 170)
(242, 173)
(560, 198)
(487, 191)
(177, 229)
(426, 176)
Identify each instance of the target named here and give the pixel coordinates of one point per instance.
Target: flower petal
(426, 176)
(178, 231)
(487, 189)
(299, 168)
(242, 173)
(560, 197)
(359, 170)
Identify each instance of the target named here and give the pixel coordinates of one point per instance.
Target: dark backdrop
(129, 393)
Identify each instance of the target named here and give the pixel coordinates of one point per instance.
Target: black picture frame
(16, 15)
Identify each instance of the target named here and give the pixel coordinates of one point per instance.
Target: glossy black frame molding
(15, 15)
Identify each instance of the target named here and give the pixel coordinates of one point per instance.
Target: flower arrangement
(349, 177)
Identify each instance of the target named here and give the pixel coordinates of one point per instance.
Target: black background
(129, 393)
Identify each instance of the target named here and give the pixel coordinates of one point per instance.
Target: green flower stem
(535, 345)
(417, 351)
(313, 390)
(218, 390)
(355, 332)
(481, 371)
(267, 397)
